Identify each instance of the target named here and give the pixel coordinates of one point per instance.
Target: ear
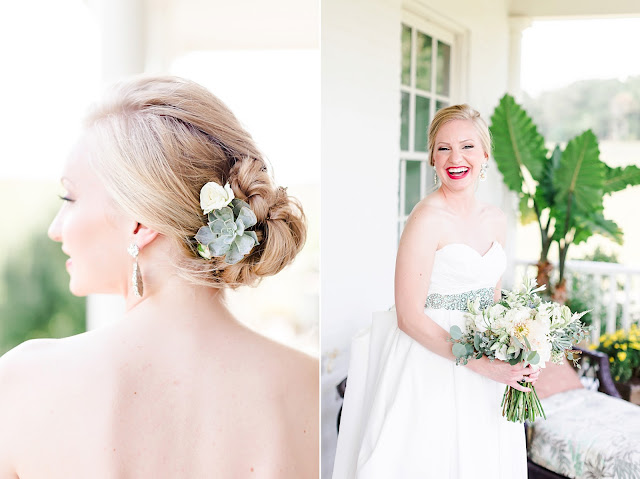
(143, 235)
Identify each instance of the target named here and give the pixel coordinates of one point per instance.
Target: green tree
(36, 301)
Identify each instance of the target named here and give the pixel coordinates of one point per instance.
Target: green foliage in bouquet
(623, 349)
(521, 328)
(560, 189)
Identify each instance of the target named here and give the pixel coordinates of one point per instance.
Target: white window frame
(415, 16)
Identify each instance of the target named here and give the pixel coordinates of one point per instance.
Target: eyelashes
(65, 198)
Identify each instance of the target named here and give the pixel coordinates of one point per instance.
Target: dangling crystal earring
(435, 177)
(483, 171)
(136, 277)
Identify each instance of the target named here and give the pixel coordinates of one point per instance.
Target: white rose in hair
(213, 196)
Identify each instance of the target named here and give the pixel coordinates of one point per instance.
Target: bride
(409, 411)
(168, 203)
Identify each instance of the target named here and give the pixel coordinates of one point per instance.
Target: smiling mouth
(457, 172)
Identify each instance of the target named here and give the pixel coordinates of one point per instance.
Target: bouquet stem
(519, 406)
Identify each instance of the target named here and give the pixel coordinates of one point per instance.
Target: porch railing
(614, 290)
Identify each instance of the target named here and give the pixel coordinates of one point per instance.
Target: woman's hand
(503, 372)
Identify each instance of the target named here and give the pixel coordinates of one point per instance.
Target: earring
(435, 177)
(483, 171)
(136, 277)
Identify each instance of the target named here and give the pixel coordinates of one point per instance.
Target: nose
(54, 229)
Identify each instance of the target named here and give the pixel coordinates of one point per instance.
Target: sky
(560, 52)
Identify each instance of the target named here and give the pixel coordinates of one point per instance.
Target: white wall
(360, 45)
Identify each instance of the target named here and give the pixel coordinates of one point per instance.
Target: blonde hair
(458, 112)
(160, 139)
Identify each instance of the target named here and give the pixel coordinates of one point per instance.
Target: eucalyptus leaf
(459, 350)
(535, 359)
(476, 341)
(469, 348)
(205, 235)
(526, 341)
(455, 332)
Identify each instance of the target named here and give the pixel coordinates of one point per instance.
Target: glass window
(425, 88)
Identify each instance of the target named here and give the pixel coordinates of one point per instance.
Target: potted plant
(561, 189)
(623, 349)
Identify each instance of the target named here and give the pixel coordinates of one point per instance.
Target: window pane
(443, 69)
(406, 55)
(423, 61)
(441, 104)
(404, 126)
(422, 123)
(411, 185)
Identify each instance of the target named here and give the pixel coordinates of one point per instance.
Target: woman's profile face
(458, 154)
(93, 234)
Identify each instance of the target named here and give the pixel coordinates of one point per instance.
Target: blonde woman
(178, 388)
(409, 411)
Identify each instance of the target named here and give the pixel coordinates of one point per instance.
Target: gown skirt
(409, 413)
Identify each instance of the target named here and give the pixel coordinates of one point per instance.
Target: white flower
(501, 352)
(213, 196)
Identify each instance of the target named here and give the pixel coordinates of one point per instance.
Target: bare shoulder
(39, 363)
(288, 366)
(21, 363)
(428, 214)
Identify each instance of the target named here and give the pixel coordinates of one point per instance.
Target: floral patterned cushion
(587, 434)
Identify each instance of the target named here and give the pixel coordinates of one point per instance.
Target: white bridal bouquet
(519, 328)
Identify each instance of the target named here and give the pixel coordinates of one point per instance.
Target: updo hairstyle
(159, 140)
(458, 112)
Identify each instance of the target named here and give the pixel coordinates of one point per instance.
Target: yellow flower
(624, 347)
(622, 356)
(593, 346)
(610, 359)
(617, 346)
(603, 337)
(635, 345)
(607, 343)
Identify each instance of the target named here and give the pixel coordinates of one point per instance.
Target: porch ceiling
(273, 24)
(573, 8)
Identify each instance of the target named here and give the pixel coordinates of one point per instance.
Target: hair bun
(281, 227)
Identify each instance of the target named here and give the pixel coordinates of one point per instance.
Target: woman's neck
(462, 202)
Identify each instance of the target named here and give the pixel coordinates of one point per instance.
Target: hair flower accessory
(226, 233)
(213, 196)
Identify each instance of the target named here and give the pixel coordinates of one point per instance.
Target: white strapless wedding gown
(409, 413)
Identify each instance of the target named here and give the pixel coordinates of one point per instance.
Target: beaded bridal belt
(459, 301)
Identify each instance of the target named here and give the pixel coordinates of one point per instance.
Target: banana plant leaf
(619, 178)
(578, 182)
(518, 147)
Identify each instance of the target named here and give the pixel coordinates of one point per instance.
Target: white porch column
(516, 27)
(122, 50)
(122, 32)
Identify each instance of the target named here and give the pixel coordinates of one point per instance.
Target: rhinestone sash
(459, 301)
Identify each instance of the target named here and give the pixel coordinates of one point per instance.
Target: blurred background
(261, 58)
(389, 65)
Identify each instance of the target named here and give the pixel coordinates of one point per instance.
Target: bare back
(130, 401)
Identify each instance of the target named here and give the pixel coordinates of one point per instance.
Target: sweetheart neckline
(495, 242)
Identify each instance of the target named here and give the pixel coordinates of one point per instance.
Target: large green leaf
(596, 223)
(619, 178)
(579, 178)
(545, 192)
(517, 145)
